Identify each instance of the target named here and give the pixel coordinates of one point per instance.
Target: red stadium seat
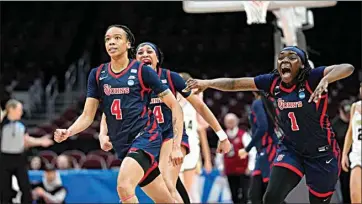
(48, 128)
(101, 153)
(113, 162)
(70, 114)
(37, 132)
(48, 156)
(93, 162)
(60, 121)
(76, 154)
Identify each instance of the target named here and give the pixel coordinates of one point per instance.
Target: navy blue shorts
(321, 173)
(167, 135)
(264, 161)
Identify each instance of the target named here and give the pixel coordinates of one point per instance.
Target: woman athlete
(134, 134)
(308, 146)
(353, 138)
(149, 53)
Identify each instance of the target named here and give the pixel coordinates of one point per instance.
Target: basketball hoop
(256, 11)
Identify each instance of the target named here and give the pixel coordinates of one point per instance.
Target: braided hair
(130, 38)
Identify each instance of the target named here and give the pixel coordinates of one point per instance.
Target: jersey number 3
(116, 109)
(293, 121)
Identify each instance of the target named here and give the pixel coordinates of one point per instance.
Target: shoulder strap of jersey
(99, 69)
(274, 88)
(170, 82)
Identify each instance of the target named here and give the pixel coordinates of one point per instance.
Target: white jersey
(190, 123)
(357, 129)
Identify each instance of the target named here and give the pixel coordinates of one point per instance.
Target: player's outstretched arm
(331, 74)
(347, 142)
(223, 84)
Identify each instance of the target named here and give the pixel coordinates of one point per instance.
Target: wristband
(222, 135)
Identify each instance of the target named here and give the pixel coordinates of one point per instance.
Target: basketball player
(195, 127)
(265, 140)
(353, 138)
(124, 86)
(309, 146)
(149, 53)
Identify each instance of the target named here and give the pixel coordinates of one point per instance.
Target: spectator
(64, 162)
(13, 140)
(36, 163)
(50, 190)
(237, 170)
(340, 125)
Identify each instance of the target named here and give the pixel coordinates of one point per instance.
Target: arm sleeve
(92, 89)
(261, 124)
(252, 154)
(315, 76)
(264, 81)
(179, 84)
(151, 80)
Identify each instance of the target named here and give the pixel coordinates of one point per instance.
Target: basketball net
(256, 11)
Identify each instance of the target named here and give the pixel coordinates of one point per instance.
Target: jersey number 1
(116, 109)
(293, 121)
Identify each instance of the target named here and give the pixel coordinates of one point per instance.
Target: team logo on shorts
(130, 82)
(280, 157)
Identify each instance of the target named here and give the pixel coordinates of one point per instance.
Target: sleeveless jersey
(124, 100)
(190, 123)
(162, 112)
(357, 130)
(306, 125)
(268, 137)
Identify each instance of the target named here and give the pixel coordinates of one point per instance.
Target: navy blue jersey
(262, 127)
(306, 125)
(125, 99)
(161, 111)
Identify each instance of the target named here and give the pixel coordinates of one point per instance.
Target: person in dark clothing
(340, 125)
(50, 190)
(13, 141)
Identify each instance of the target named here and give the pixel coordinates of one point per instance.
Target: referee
(13, 141)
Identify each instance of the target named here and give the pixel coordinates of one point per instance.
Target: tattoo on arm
(234, 84)
(163, 94)
(175, 130)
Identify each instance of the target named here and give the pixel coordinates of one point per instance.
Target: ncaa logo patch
(301, 95)
(130, 82)
(280, 157)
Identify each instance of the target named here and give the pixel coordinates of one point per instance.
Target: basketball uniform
(308, 146)
(263, 138)
(125, 98)
(191, 125)
(355, 155)
(162, 112)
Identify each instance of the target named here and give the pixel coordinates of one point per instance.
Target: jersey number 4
(157, 111)
(293, 121)
(116, 109)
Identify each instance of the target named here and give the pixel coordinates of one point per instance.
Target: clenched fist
(61, 134)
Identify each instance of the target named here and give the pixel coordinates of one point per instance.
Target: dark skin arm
(223, 84)
(331, 74)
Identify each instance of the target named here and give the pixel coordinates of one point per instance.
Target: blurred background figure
(64, 162)
(195, 127)
(36, 163)
(237, 170)
(340, 125)
(50, 189)
(14, 139)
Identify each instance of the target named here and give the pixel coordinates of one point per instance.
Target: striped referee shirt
(12, 136)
